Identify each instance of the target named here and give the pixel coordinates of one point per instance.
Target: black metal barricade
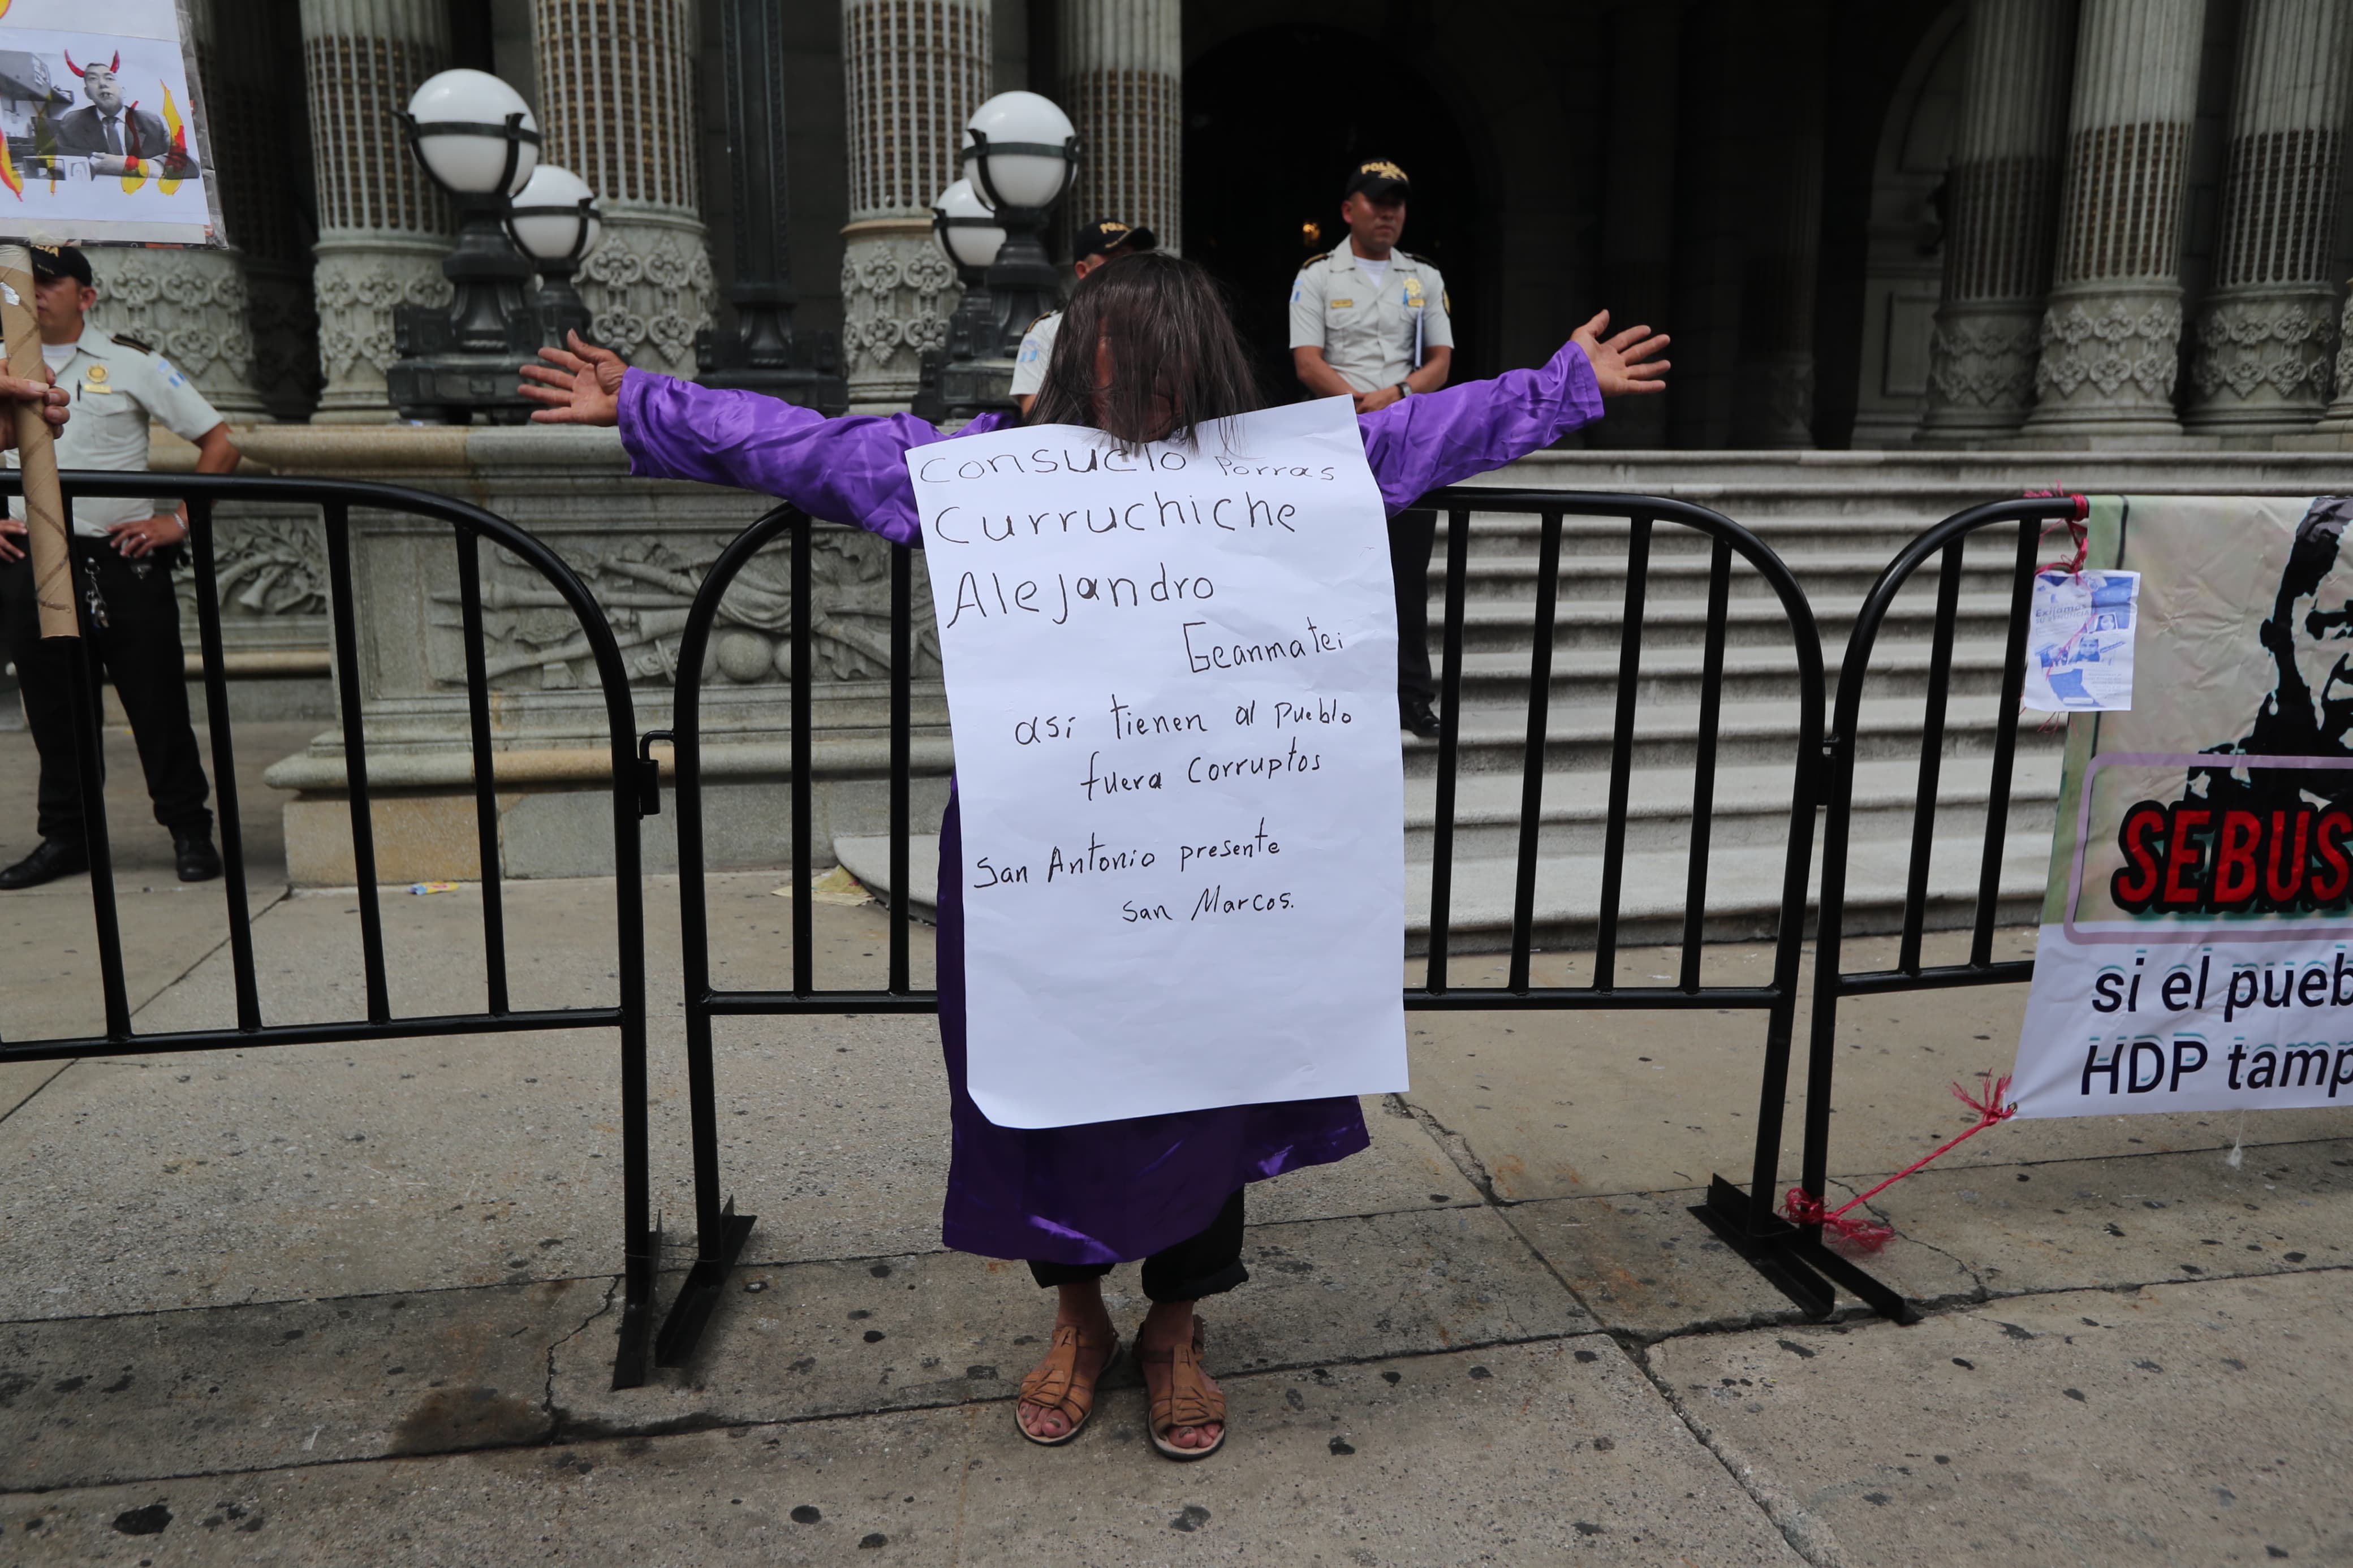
(721, 1232)
(469, 526)
(1793, 1256)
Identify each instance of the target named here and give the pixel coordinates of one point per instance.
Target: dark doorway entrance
(1273, 122)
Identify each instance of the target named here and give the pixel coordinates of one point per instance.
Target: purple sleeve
(1434, 438)
(850, 469)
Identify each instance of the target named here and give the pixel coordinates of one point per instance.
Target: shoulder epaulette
(1319, 255)
(128, 342)
(1033, 325)
(1416, 260)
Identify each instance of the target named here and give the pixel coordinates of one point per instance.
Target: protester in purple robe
(1147, 352)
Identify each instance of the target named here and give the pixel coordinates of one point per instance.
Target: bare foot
(1048, 1421)
(1165, 1329)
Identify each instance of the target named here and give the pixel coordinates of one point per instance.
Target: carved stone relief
(191, 307)
(897, 293)
(647, 586)
(2265, 357)
(650, 289)
(356, 290)
(1984, 362)
(2111, 347)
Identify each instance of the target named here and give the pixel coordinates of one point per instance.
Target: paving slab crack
(556, 1416)
(1806, 1536)
(1458, 1148)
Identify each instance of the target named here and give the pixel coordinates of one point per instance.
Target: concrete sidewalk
(356, 1304)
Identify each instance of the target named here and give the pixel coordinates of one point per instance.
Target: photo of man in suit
(112, 134)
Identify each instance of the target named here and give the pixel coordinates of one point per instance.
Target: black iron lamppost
(955, 383)
(1019, 152)
(554, 222)
(475, 138)
(761, 353)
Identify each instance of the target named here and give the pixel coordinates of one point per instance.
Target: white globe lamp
(473, 134)
(968, 232)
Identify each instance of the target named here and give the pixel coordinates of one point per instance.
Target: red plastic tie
(1801, 1208)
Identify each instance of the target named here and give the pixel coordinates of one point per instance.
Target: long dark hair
(1172, 342)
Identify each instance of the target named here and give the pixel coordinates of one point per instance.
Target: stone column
(2112, 330)
(192, 305)
(1782, 215)
(915, 70)
(383, 227)
(1122, 86)
(2269, 327)
(616, 108)
(2001, 205)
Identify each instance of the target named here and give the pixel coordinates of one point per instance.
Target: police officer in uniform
(1369, 321)
(1096, 244)
(123, 553)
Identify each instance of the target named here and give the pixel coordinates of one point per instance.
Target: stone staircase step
(1579, 736)
(1743, 894)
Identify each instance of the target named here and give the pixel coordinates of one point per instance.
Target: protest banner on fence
(2196, 951)
(1172, 674)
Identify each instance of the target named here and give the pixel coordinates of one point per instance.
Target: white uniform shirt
(115, 390)
(1037, 348)
(1366, 326)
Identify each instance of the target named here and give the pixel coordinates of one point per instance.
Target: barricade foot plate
(1887, 1303)
(1726, 1213)
(637, 1309)
(683, 1328)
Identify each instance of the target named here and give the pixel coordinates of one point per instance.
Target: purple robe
(1107, 1191)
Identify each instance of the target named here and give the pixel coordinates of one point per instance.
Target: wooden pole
(45, 513)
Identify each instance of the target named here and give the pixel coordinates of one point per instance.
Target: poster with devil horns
(101, 125)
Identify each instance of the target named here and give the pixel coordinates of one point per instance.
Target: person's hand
(581, 387)
(144, 536)
(1379, 398)
(12, 539)
(13, 392)
(1624, 363)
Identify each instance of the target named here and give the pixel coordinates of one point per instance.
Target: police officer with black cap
(1370, 321)
(123, 553)
(1097, 243)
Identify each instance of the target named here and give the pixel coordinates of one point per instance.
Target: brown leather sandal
(1055, 1383)
(1188, 1402)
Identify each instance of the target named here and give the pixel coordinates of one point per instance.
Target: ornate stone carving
(649, 288)
(2246, 345)
(2343, 407)
(356, 291)
(190, 306)
(1984, 362)
(647, 586)
(2121, 345)
(897, 292)
(266, 567)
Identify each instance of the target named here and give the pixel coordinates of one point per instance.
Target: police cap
(61, 261)
(1379, 179)
(1106, 235)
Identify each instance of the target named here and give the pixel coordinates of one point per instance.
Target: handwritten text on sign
(1172, 675)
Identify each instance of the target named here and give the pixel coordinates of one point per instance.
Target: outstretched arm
(849, 470)
(1421, 444)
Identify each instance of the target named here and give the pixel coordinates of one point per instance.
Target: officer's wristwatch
(1405, 389)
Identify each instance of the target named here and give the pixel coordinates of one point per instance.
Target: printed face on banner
(97, 124)
(1173, 679)
(2197, 946)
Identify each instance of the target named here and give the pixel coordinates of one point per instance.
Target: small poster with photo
(102, 126)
